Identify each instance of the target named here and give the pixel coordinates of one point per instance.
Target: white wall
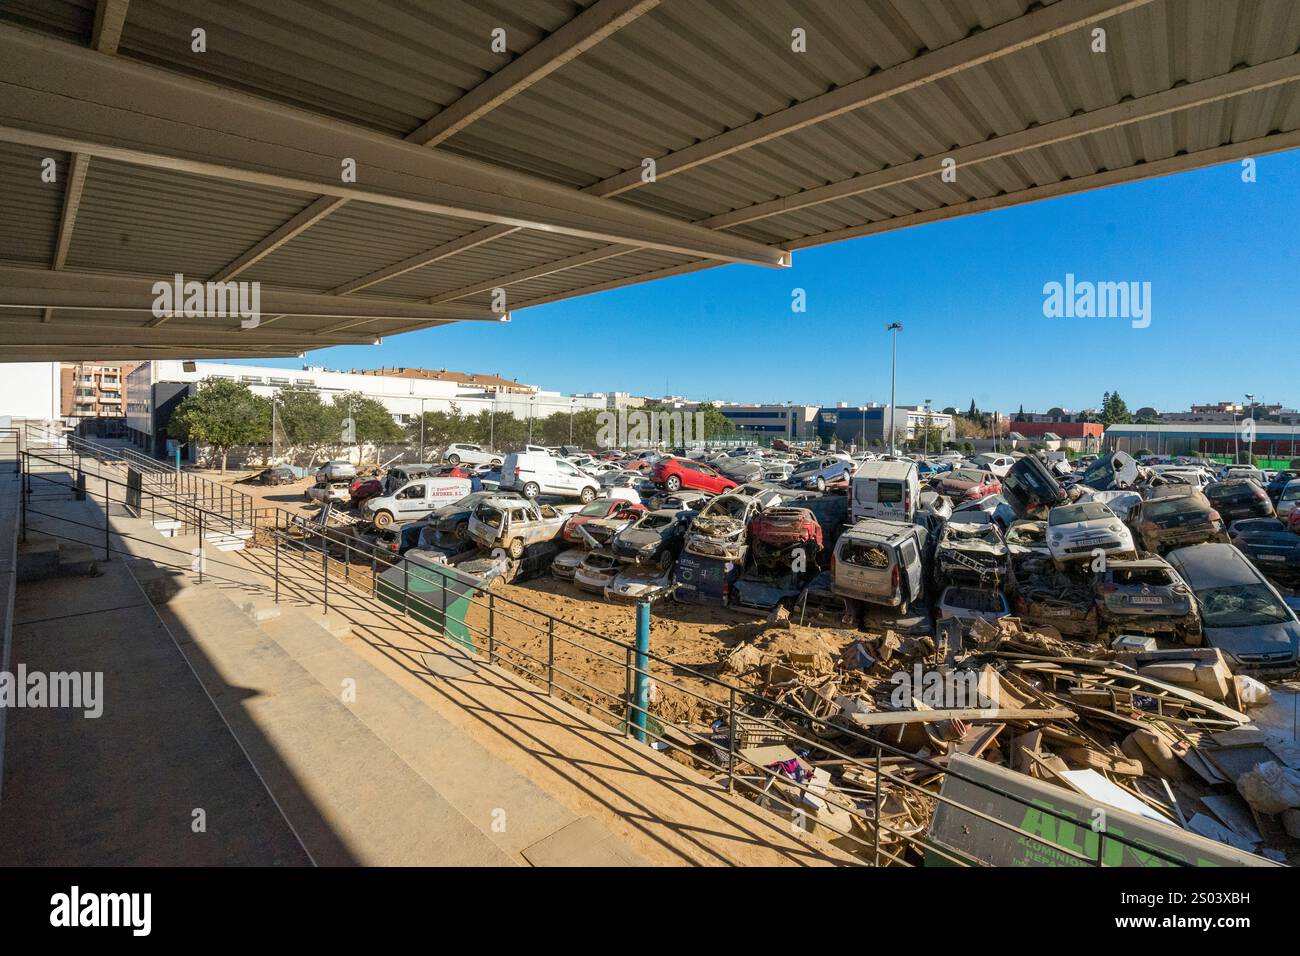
(30, 390)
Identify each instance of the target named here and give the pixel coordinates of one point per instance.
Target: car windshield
(1242, 605)
(655, 522)
(1088, 511)
(1291, 493)
(968, 475)
(596, 509)
(807, 468)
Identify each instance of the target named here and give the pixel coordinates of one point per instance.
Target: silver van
(880, 562)
(890, 490)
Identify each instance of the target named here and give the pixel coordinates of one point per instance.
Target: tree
(221, 414)
(1114, 411)
(716, 424)
(372, 423)
(302, 418)
(1020, 415)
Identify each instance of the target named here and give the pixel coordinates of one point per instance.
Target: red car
(363, 488)
(601, 508)
(678, 473)
(783, 527)
(969, 484)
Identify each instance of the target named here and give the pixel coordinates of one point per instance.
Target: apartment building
(94, 389)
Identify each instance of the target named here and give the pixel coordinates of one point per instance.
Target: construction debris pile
(1166, 734)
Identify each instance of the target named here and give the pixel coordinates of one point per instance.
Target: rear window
(1242, 492)
(1164, 507)
(1151, 577)
(889, 492)
(864, 555)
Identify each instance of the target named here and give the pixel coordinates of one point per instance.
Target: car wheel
(453, 459)
(383, 519)
(665, 560)
(673, 483)
(588, 495)
(821, 484)
(461, 531)
(517, 549)
(531, 490)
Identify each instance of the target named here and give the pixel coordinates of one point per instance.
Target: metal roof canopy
(478, 171)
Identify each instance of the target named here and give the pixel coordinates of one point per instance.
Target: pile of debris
(1164, 735)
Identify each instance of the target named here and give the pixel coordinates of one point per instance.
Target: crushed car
(514, 523)
(719, 530)
(1146, 596)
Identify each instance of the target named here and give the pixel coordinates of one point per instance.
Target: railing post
(442, 577)
(731, 740)
(492, 627)
(108, 553)
(276, 536)
(627, 692)
(642, 679)
(200, 547)
(325, 569)
(550, 655)
(25, 465)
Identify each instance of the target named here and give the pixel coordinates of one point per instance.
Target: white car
(470, 454)
(1286, 503)
(998, 464)
(1075, 532)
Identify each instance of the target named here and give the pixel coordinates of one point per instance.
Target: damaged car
(1075, 532)
(1031, 490)
(968, 484)
(880, 562)
(639, 583)
(719, 531)
(596, 571)
(1175, 518)
(1146, 596)
(1268, 545)
(1237, 498)
(655, 538)
(971, 553)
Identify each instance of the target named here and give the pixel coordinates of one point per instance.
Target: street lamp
(573, 405)
(1251, 450)
(927, 428)
(894, 327)
(532, 399)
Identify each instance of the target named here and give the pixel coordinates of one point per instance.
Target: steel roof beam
(56, 96)
(110, 18)
(1043, 24)
(1239, 82)
(584, 31)
(581, 33)
(24, 287)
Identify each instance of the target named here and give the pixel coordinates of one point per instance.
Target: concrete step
(478, 784)
(348, 795)
(41, 556)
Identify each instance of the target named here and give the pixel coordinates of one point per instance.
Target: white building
(154, 386)
(30, 391)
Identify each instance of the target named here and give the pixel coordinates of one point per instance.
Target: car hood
(1255, 639)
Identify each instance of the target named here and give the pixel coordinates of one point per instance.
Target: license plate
(1146, 600)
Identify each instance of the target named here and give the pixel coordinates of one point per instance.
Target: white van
(415, 499)
(998, 464)
(532, 474)
(885, 489)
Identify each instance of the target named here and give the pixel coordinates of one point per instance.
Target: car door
(707, 479)
(911, 559)
(411, 501)
(568, 478)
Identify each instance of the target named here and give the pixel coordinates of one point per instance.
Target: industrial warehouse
(397, 427)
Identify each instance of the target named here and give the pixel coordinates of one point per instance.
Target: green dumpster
(436, 595)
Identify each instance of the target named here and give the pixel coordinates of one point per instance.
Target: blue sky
(1222, 257)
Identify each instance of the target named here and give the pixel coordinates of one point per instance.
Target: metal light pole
(532, 408)
(927, 428)
(894, 327)
(1251, 450)
(492, 423)
(573, 405)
